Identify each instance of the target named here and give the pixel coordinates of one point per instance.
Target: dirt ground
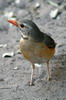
(15, 71)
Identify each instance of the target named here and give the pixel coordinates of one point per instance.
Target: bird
(35, 45)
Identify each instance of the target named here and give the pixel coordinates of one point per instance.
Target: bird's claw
(31, 84)
(49, 78)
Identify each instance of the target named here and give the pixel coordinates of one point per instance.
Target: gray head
(28, 29)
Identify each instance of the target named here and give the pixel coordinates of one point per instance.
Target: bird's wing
(49, 41)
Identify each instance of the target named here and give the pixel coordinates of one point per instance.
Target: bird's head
(29, 30)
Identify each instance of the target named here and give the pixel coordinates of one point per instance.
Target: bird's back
(49, 41)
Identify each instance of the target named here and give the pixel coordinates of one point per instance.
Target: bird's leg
(32, 74)
(49, 71)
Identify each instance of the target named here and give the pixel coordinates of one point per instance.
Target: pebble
(54, 13)
(37, 5)
(55, 3)
(3, 45)
(8, 54)
(16, 68)
(8, 14)
(37, 65)
(17, 1)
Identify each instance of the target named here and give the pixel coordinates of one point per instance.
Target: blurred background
(50, 17)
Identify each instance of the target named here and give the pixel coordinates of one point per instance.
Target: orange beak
(14, 22)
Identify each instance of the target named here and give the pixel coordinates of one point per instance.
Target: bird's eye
(22, 25)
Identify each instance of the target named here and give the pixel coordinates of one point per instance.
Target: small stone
(37, 65)
(3, 45)
(8, 54)
(20, 3)
(54, 13)
(16, 68)
(8, 14)
(37, 5)
(17, 1)
(55, 3)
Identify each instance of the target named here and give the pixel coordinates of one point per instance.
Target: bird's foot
(31, 83)
(49, 78)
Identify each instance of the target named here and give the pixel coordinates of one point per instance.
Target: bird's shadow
(58, 70)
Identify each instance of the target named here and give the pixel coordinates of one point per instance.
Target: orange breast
(35, 51)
